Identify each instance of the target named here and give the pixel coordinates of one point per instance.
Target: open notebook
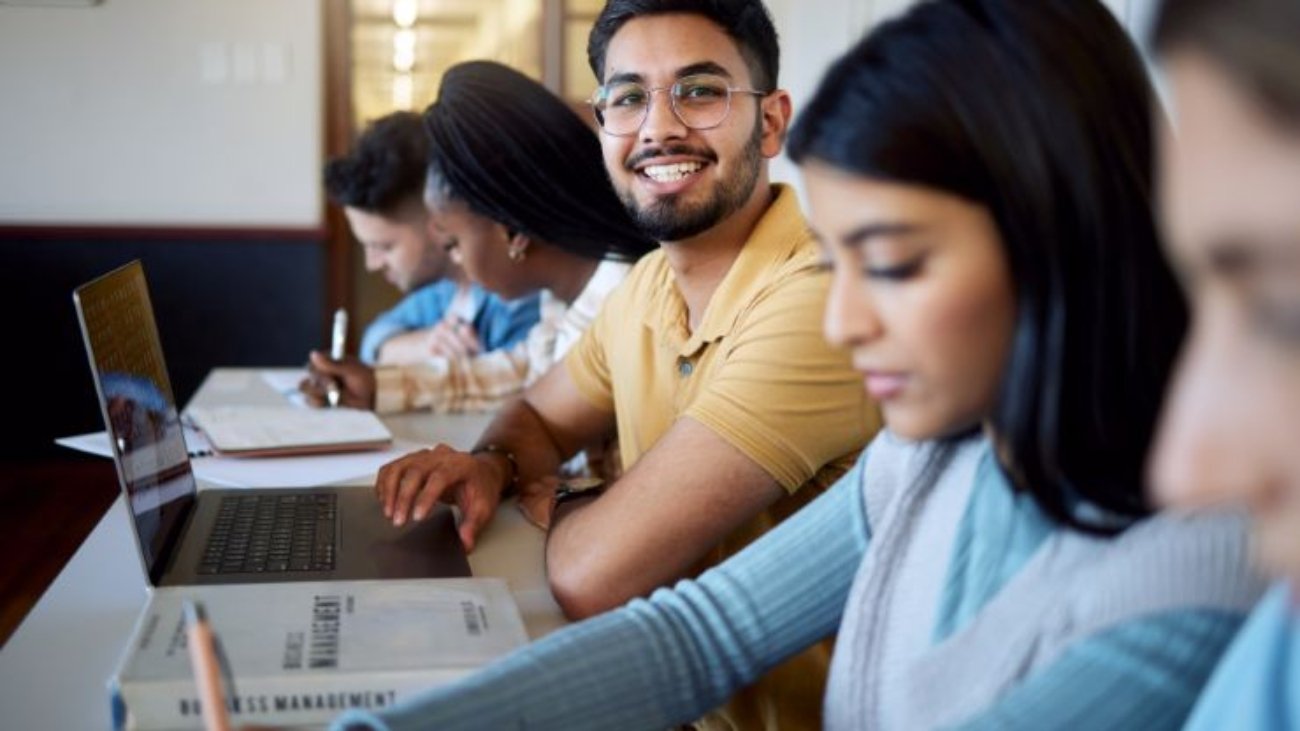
(254, 431)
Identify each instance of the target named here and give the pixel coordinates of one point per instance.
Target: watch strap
(578, 488)
(512, 478)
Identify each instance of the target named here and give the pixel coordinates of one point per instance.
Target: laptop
(230, 536)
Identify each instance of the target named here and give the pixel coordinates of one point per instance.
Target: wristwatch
(578, 487)
(512, 478)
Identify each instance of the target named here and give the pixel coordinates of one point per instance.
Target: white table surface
(54, 668)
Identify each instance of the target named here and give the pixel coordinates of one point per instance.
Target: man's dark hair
(519, 155)
(384, 170)
(1256, 41)
(747, 22)
(1039, 112)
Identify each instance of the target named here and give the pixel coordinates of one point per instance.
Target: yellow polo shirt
(757, 371)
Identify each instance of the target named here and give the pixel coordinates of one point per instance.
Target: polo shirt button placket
(685, 368)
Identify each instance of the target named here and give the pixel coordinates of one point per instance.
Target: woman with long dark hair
(979, 172)
(517, 189)
(1230, 188)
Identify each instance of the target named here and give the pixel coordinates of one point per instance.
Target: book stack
(298, 654)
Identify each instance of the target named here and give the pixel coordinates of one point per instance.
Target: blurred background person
(516, 190)
(1231, 433)
(991, 562)
(379, 183)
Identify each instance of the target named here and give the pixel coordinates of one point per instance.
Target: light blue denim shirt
(499, 323)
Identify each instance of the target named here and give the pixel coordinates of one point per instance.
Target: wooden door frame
(337, 118)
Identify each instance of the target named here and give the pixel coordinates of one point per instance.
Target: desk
(54, 668)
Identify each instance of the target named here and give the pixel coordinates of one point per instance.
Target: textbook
(301, 653)
(252, 431)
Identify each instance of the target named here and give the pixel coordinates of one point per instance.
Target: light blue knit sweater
(1106, 640)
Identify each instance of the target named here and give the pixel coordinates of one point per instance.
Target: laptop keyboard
(271, 534)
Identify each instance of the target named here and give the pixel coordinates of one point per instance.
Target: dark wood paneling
(337, 113)
(246, 301)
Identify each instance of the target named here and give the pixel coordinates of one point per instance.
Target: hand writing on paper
(410, 486)
(356, 381)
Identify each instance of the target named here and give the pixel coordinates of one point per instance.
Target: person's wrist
(390, 391)
(369, 388)
(573, 492)
(506, 460)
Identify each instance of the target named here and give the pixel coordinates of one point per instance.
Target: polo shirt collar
(780, 232)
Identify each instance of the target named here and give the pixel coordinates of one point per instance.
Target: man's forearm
(579, 581)
(519, 430)
(402, 349)
(657, 523)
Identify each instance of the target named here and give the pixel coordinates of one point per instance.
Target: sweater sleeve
(668, 659)
(453, 385)
(1142, 674)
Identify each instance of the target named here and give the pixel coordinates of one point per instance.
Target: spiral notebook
(275, 431)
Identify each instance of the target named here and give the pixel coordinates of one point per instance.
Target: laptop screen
(135, 395)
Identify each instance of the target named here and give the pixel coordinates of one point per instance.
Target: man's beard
(668, 219)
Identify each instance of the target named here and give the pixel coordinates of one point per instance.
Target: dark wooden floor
(47, 508)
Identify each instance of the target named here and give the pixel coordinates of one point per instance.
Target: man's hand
(537, 501)
(409, 487)
(450, 338)
(355, 381)
(453, 338)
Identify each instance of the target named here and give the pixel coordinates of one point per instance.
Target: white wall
(816, 32)
(208, 112)
(813, 34)
(162, 112)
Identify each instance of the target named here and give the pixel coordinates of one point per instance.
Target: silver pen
(338, 342)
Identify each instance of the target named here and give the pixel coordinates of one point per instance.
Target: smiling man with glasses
(709, 362)
(700, 101)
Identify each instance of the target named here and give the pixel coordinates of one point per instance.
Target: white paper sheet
(285, 382)
(306, 471)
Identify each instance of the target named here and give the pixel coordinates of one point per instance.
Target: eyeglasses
(700, 101)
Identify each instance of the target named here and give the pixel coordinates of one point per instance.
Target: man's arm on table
(548, 424)
(444, 339)
(417, 310)
(654, 524)
(407, 347)
(782, 405)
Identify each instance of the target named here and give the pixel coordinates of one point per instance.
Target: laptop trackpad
(370, 547)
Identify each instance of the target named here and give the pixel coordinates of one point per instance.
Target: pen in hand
(201, 643)
(337, 343)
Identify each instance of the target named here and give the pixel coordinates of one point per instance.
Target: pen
(203, 659)
(337, 341)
